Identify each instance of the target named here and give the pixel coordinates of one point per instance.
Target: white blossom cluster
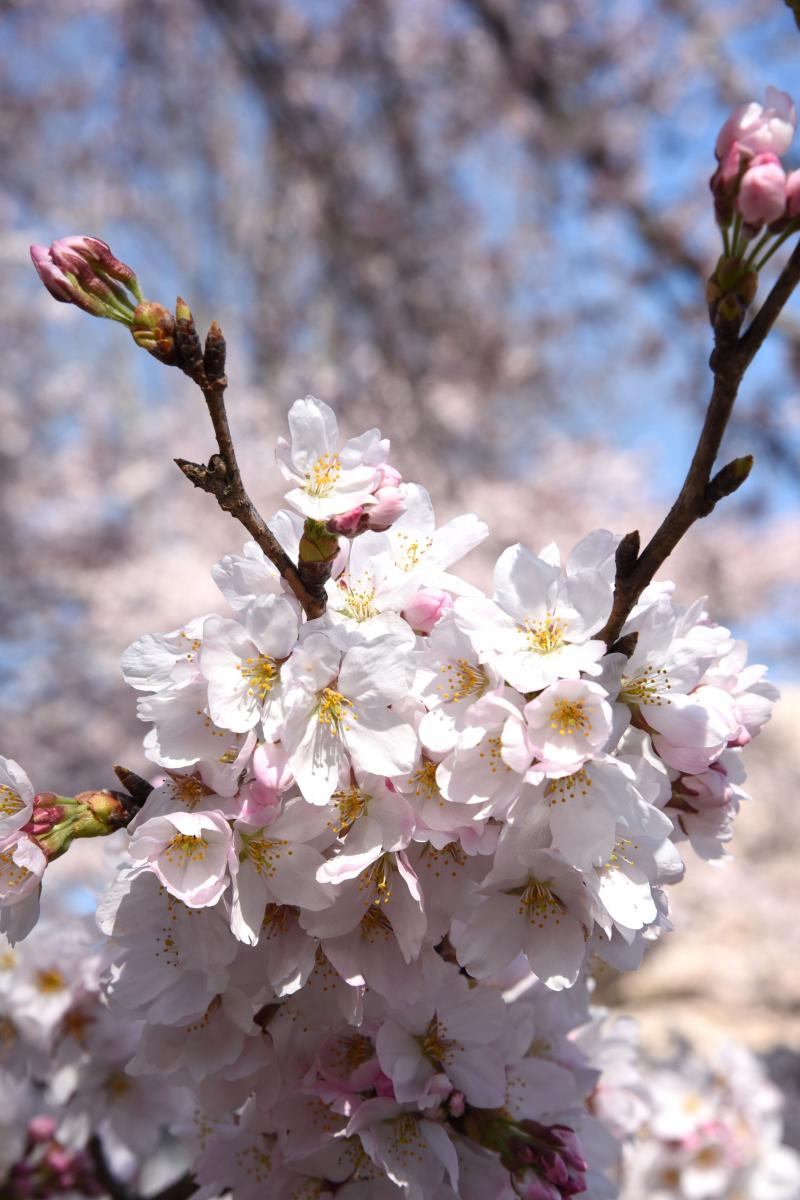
(373, 830)
(713, 1131)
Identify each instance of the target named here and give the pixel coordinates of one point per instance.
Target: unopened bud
(318, 544)
(83, 271)
(153, 328)
(57, 821)
(424, 610)
(726, 481)
(214, 352)
(349, 524)
(41, 1128)
(390, 503)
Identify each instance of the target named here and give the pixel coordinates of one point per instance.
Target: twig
(180, 1189)
(700, 492)
(115, 1187)
(221, 477)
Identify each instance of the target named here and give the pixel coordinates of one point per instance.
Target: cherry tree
(393, 824)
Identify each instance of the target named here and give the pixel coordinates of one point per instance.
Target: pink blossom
(349, 524)
(390, 503)
(762, 195)
(424, 610)
(760, 128)
(188, 853)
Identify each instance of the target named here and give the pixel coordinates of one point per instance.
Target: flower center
(48, 980)
(425, 780)
(559, 791)
(333, 710)
(262, 673)
(375, 922)
(324, 475)
(118, 1084)
(359, 603)
(186, 848)
(537, 902)
(462, 679)
(354, 1052)
(351, 805)
(436, 1048)
(569, 717)
(545, 636)
(648, 687)
(378, 878)
(190, 790)
(10, 801)
(411, 550)
(276, 919)
(264, 853)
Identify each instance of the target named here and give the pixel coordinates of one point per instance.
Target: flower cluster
(713, 1131)
(388, 846)
(750, 180)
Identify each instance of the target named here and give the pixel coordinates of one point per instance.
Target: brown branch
(180, 1189)
(105, 1177)
(701, 492)
(221, 477)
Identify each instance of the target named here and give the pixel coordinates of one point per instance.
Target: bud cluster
(753, 194)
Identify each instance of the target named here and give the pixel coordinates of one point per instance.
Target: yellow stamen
(262, 673)
(462, 679)
(334, 710)
(324, 475)
(545, 636)
(568, 717)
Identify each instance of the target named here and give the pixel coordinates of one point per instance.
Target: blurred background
(482, 225)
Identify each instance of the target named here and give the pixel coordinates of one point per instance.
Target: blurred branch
(180, 1189)
(700, 492)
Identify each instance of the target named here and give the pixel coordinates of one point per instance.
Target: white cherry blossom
(338, 713)
(241, 662)
(328, 479)
(188, 853)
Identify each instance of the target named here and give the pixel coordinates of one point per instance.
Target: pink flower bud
(760, 129)
(424, 610)
(98, 254)
(390, 503)
(387, 477)
(59, 286)
(456, 1104)
(41, 1128)
(762, 195)
(349, 524)
(83, 271)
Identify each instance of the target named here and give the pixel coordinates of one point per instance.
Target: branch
(105, 1177)
(701, 492)
(221, 477)
(180, 1189)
